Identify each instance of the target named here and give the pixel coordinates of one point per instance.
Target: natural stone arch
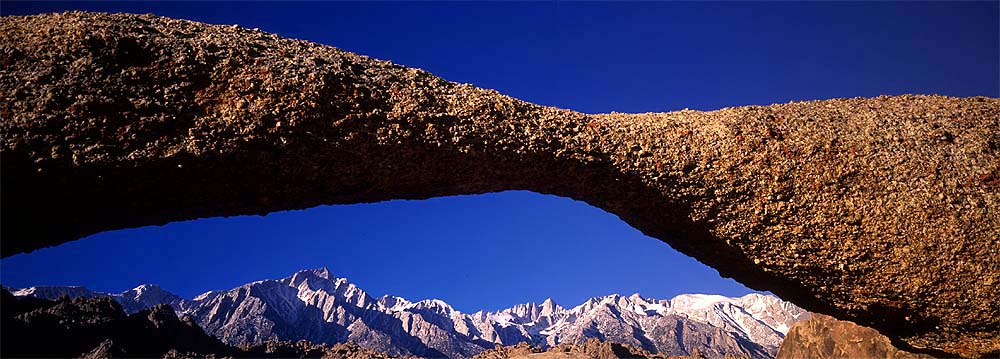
(882, 211)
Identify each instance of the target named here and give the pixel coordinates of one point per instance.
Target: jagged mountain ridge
(133, 300)
(314, 305)
(98, 328)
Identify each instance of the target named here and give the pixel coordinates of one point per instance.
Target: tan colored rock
(305, 349)
(882, 211)
(593, 348)
(824, 337)
(521, 350)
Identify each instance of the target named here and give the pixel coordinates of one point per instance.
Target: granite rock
(823, 337)
(882, 211)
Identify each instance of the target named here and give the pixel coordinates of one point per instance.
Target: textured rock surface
(881, 211)
(824, 337)
(590, 349)
(305, 349)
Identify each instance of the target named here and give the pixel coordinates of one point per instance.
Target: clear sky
(492, 251)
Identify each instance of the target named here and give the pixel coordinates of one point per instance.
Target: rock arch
(882, 211)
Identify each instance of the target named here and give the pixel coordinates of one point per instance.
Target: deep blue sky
(495, 250)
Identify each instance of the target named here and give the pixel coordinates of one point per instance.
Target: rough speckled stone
(883, 211)
(593, 348)
(823, 337)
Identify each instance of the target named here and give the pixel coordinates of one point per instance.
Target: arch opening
(491, 252)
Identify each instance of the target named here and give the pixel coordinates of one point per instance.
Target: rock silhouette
(882, 211)
(97, 327)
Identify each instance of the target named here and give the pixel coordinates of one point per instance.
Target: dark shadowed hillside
(99, 328)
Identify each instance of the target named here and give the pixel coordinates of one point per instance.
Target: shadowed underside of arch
(881, 211)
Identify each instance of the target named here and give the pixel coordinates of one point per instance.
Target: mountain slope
(97, 327)
(316, 306)
(132, 301)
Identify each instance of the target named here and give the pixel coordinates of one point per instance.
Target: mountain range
(316, 306)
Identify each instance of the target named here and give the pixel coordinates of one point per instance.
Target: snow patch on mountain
(315, 305)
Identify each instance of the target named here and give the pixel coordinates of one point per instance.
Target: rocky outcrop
(591, 349)
(305, 349)
(509, 351)
(881, 211)
(823, 337)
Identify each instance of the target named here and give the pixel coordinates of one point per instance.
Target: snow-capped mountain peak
(435, 305)
(146, 290)
(549, 307)
(322, 272)
(53, 292)
(148, 295)
(391, 303)
(317, 276)
(698, 301)
(315, 305)
(207, 295)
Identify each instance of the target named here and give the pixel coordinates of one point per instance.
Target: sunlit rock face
(882, 211)
(824, 337)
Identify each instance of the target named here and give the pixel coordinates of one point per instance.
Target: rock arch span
(882, 211)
